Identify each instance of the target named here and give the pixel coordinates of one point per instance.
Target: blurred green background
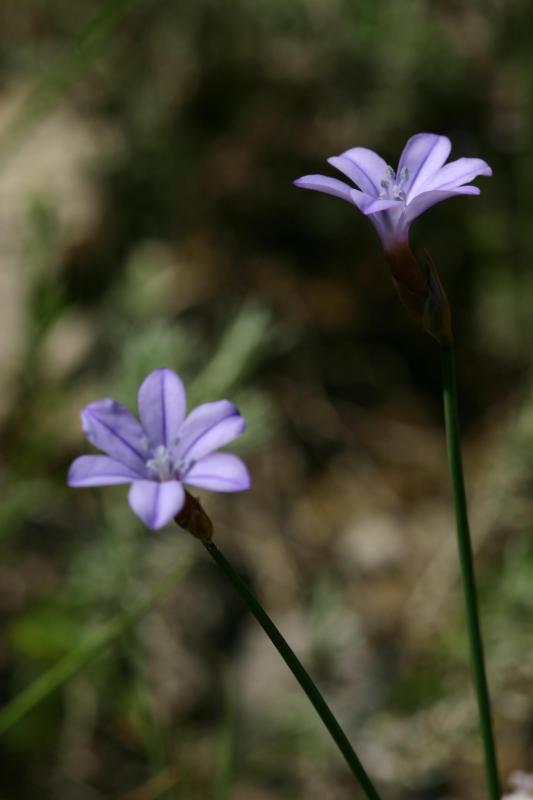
(147, 218)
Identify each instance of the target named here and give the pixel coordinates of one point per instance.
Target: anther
(404, 174)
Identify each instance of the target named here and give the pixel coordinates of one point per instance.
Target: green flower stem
(320, 705)
(453, 440)
(65, 669)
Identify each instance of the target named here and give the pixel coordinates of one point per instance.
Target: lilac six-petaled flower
(393, 199)
(162, 452)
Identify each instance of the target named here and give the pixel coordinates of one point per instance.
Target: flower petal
(156, 503)
(457, 173)
(99, 471)
(371, 169)
(425, 200)
(113, 429)
(208, 427)
(220, 472)
(391, 227)
(422, 156)
(161, 401)
(320, 183)
(373, 205)
(353, 172)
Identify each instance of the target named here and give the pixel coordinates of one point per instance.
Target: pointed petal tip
(429, 140)
(163, 372)
(455, 175)
(71, 476)
(106, 405)
(425, 200)
(325, 184)
(161, 401)
(433, 136)
(304, 181)
(478, 166)
(242, 421)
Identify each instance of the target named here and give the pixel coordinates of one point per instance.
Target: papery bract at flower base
(164, 451)
(393, 199)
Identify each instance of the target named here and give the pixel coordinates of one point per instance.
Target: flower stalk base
(193, 519)
(421, 292)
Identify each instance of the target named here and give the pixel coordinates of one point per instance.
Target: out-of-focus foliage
(147, 217)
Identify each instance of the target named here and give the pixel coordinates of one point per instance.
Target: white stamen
(392, 186)
(164, 466)
(161, 464)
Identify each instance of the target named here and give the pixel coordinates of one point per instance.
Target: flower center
(160, 466)
(164, 466)
(392, 186)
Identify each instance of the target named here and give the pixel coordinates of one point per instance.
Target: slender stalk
(297, 669)
(453, 440)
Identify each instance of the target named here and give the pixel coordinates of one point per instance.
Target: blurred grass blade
(64, 73)
(87, 651)
(151, 730)
(248, 335)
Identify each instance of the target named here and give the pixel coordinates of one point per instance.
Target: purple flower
(393, 199)
(162, 452)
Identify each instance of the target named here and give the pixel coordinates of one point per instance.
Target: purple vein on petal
(206, 419)
(434, 148)
(92, 470)
(374, 169)
(161, 403)
(323, 183)
(163, 408)
(219, 472)
(156, 503)
(355, 173)
(108, 427)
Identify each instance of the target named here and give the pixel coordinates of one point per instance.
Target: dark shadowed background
(147, 218)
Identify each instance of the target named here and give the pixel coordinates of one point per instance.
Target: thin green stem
(320, 705)
(453, 439)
